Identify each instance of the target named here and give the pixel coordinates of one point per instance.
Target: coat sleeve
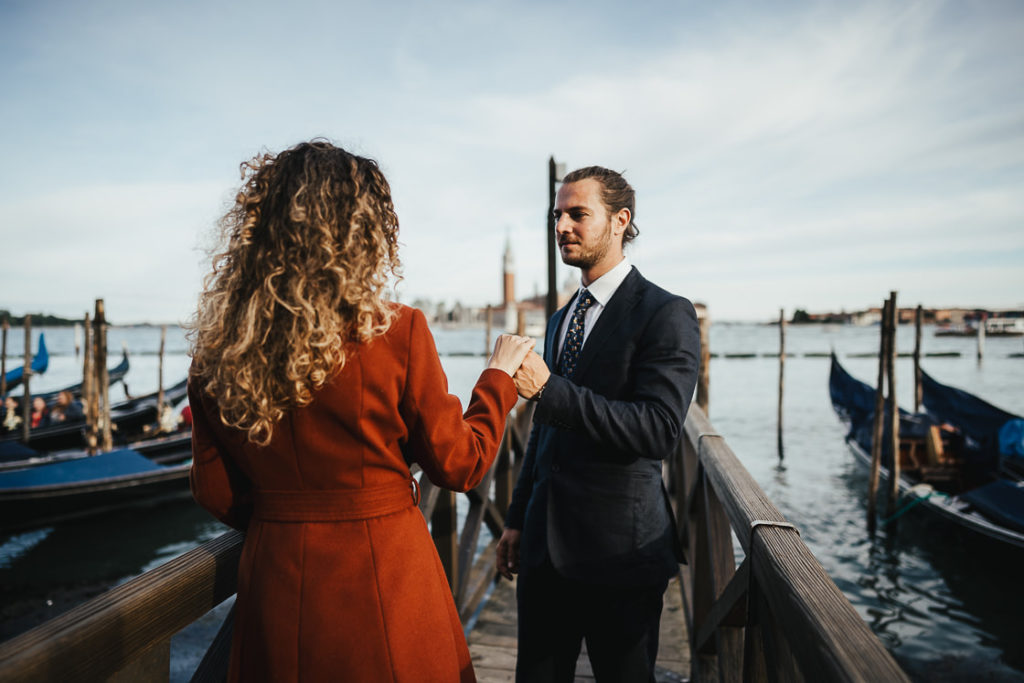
(649, 422)
(217, 483)
(455, 449)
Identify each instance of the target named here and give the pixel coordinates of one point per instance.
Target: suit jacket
(590, 491)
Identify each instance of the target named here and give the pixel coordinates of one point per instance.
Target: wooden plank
(729, 610)
(830, 640)
(214, 666)
(744, 501)
(492, 642)
(444, 526)
(103, 635)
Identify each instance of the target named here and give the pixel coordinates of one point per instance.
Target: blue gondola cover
(102, 466)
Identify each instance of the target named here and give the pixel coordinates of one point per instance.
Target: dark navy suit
(589, 500)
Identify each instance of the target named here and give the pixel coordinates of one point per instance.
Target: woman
(311, 394)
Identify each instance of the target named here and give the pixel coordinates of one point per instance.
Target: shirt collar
(605, 286)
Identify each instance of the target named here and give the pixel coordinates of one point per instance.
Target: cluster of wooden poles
(95, 379)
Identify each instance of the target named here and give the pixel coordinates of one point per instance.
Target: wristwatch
(536, 397)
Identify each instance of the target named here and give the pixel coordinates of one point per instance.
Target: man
(589, 529)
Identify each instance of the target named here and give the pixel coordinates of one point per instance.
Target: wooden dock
(492, 642)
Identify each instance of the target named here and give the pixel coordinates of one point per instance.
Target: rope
(918, 499)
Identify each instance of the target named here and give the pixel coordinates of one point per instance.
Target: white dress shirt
(602, 290)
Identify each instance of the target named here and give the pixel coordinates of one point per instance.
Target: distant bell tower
(509, 275)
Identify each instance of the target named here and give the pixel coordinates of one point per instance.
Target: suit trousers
(620, 625)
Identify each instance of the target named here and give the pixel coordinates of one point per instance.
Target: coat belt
(335, 505)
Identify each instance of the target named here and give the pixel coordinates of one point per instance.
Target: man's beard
(592, 255)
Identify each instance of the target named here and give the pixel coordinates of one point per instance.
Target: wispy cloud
(814, 155)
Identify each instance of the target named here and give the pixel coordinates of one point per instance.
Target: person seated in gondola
(40, 413)
(11, 418)
(66, 408)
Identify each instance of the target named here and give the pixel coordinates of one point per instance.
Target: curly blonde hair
(311, 242)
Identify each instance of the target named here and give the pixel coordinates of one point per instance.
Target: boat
(163, 449)
(943, 470)
(1004, 327)
(990, 433)
(57, 492)
(114, 375)
(127, 418)
(40, 362)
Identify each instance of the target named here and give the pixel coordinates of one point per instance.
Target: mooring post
(89, 398)
(3, 361)
(551, 304)
(490, 323)
(918, 322)
(782, 367)
(894, 413)
(981, 337)
(160, 376)
(102, 378)
(876, 426)
(26, 375)
(704, 376)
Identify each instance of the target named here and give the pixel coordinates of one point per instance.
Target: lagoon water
(948, 606)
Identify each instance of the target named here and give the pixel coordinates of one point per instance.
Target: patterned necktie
(574, 336)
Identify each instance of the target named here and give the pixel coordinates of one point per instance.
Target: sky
(785, 155)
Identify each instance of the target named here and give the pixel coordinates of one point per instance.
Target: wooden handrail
(103, 636)
(793, 610)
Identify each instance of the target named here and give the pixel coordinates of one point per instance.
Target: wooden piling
(102, 378)
(26, 374)
(876, 427)
(90, 400)
(704, 377)
(521, 323)
(78, 339)
(981, 337)
(894, 413)
(490, 324)
(160, 375)
(551, 303)
(782, 367)
(918, 321)
(3, 360)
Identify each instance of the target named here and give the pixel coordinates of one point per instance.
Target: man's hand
(531, 376)
(508, 553)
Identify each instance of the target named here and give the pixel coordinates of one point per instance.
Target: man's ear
(620, 221)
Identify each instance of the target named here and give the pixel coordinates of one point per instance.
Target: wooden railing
(777, 616)
(125, 634)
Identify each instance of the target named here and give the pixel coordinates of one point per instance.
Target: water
(947, 606)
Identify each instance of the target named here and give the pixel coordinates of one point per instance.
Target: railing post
(444, 527)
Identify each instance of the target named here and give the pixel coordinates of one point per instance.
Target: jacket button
(555, 468)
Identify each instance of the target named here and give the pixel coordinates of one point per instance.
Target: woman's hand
(509, 352)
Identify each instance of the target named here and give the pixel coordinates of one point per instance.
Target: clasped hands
(514, 355)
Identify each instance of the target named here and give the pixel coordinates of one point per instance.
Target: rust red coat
(339, 578)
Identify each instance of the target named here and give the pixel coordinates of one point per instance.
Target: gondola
(40, 362)
(67, 490)
(941, 470)
(127, 418)
(162, 449)
(114, 375)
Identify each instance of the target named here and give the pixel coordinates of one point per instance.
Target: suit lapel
(609, 325)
